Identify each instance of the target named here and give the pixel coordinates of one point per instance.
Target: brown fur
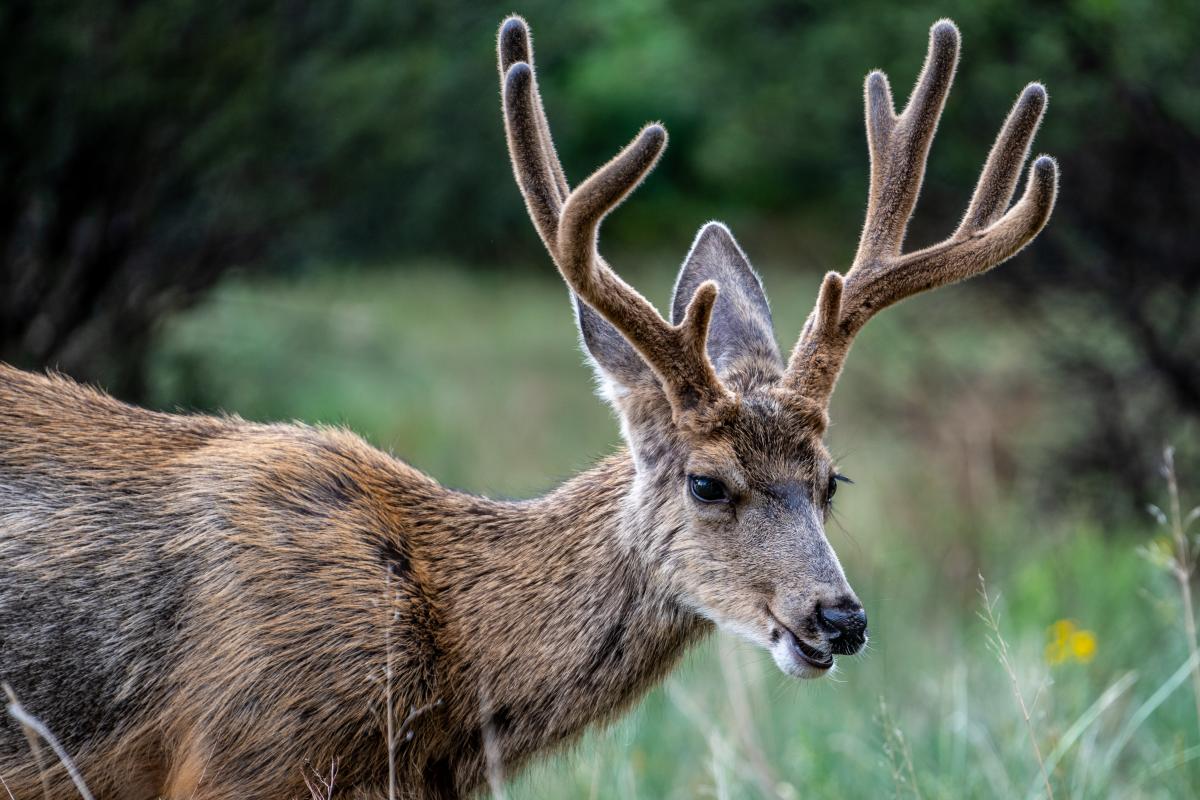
(274, 544)
(207, 608)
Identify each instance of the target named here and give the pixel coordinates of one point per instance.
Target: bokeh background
(300, 210)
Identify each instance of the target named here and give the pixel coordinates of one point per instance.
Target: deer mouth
(817, 659)
(812, 656)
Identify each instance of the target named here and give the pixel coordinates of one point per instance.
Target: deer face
(740, 495)
(752, 553)
(727, 441)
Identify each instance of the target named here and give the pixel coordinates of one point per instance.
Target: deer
(204, 607)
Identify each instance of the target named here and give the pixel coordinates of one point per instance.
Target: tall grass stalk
(899, 754)
(1000, 647)
(743, 723)
(387, 696)
(491, 747)
(1085, 722)
(1183, 567)
(1148, 707)
(319, 787)
(32, 725)
(719, 749)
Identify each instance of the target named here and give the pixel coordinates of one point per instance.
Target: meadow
(945, 419)
(294, 210)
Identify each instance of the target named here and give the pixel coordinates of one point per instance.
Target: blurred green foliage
(762, 99)
(147, 147)
(373, 127)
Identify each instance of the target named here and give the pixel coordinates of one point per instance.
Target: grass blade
(1147, 708)
(1085, 720)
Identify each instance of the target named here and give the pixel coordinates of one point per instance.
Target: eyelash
(834, 480)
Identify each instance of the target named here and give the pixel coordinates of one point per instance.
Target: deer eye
(708, 490)
(834, 480)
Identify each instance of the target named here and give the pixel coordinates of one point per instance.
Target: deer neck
(553, 615)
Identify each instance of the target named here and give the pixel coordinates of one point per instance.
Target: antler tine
(816, 360)
(536, 166)
(677, 353)
(987, 235)
(998, 181)
(516, 44)
(568, 223)
(899, 145)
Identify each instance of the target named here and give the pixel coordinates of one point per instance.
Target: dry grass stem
(320, 787)
(685, 703)
(898, 752)
(1000, 647)
(491, 748)
(387, 682)
(34, 726)
(1184, 565)
(34, 747)
(1085, 723)
(403, 731)
(743, 720)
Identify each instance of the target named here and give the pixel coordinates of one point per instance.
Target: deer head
(733, 480)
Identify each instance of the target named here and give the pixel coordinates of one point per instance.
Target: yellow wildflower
(1083, 646)
(1068, 642)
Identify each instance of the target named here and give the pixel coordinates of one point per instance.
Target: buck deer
(200, 607)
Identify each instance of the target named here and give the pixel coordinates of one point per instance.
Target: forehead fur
(769, 432)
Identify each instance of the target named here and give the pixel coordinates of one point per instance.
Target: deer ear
(741, 323)
(618, 366)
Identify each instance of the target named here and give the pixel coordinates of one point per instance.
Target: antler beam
(988, 235)
(568, 223)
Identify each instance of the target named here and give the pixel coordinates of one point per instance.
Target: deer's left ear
(611, 354)
(741, 323)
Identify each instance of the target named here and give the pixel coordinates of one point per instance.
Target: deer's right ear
(618, 366)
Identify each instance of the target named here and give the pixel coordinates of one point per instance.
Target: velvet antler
(990, 232)
(568, 222)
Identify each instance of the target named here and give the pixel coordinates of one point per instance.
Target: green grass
(941, 420)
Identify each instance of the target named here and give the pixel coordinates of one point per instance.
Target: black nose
(845, 624)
